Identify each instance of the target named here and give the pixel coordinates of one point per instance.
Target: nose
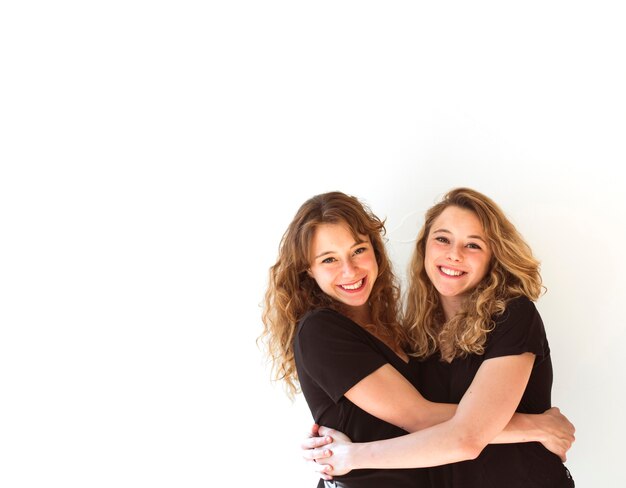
(454, 254)
(348, 268)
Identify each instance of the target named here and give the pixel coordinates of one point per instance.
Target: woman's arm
(551, 428)
(386, 394)
(484, 411)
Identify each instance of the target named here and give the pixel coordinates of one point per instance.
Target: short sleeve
(518, 330)
(335, 352)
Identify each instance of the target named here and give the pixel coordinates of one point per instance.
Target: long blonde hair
(513, 272)
(292, 292)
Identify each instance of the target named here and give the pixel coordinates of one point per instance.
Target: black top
(333, 354)
(525, 465)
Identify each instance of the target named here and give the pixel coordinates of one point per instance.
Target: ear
(308, 271)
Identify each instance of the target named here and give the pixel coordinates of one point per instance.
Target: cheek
(429, 271)
(428, 263)
(322, 277)
(483, 270)
(374, 265)
(319, 276)
(368, 262)
(429, 254)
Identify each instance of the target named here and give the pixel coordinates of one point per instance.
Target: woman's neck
(451, 306)
(361, 315)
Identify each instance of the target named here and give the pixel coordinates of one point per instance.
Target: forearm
(442, 444)
(521, 428)
(429, 415)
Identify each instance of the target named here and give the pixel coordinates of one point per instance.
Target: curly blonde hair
(291, 292)
(513, 272)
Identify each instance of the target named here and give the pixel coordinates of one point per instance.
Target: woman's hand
(558, 432)
(329, 451)
(312, 452)
(334, 457)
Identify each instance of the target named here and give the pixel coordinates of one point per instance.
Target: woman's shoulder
(520, 309)
(323, 313)
(521, 304)
(323, 316)
(518, 329)
(328, 329)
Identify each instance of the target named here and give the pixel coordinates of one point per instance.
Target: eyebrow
(467, 237)
(357, 243)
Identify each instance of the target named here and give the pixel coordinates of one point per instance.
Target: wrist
(356, 456)
(535, 431)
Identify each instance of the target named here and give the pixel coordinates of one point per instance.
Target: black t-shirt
(524, 465)
(333, 354)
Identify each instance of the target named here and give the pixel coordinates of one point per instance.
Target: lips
(357, 285)
(451, 272)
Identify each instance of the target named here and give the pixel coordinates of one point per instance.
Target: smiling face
(344, 268)
(457, 256)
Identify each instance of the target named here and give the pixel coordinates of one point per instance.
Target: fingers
(569, 437)
(325, 431)
(315, 449)
(566, 444)
(316, 454)
(562, 453)
(557, 413)
(559, 446)
(313, 442)
(314, 430)
(319, 468)
(322, 470)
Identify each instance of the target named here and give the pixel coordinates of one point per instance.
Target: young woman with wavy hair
(292, 291)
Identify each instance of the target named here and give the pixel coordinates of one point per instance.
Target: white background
(152, 154)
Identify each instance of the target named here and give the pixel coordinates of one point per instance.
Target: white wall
(153, 154)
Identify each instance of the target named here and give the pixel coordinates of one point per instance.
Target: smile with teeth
(353, 286)
(451, 272)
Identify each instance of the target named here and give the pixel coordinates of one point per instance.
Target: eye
(442, 239)
(360, 250)
(328, 260)
(473, 245)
